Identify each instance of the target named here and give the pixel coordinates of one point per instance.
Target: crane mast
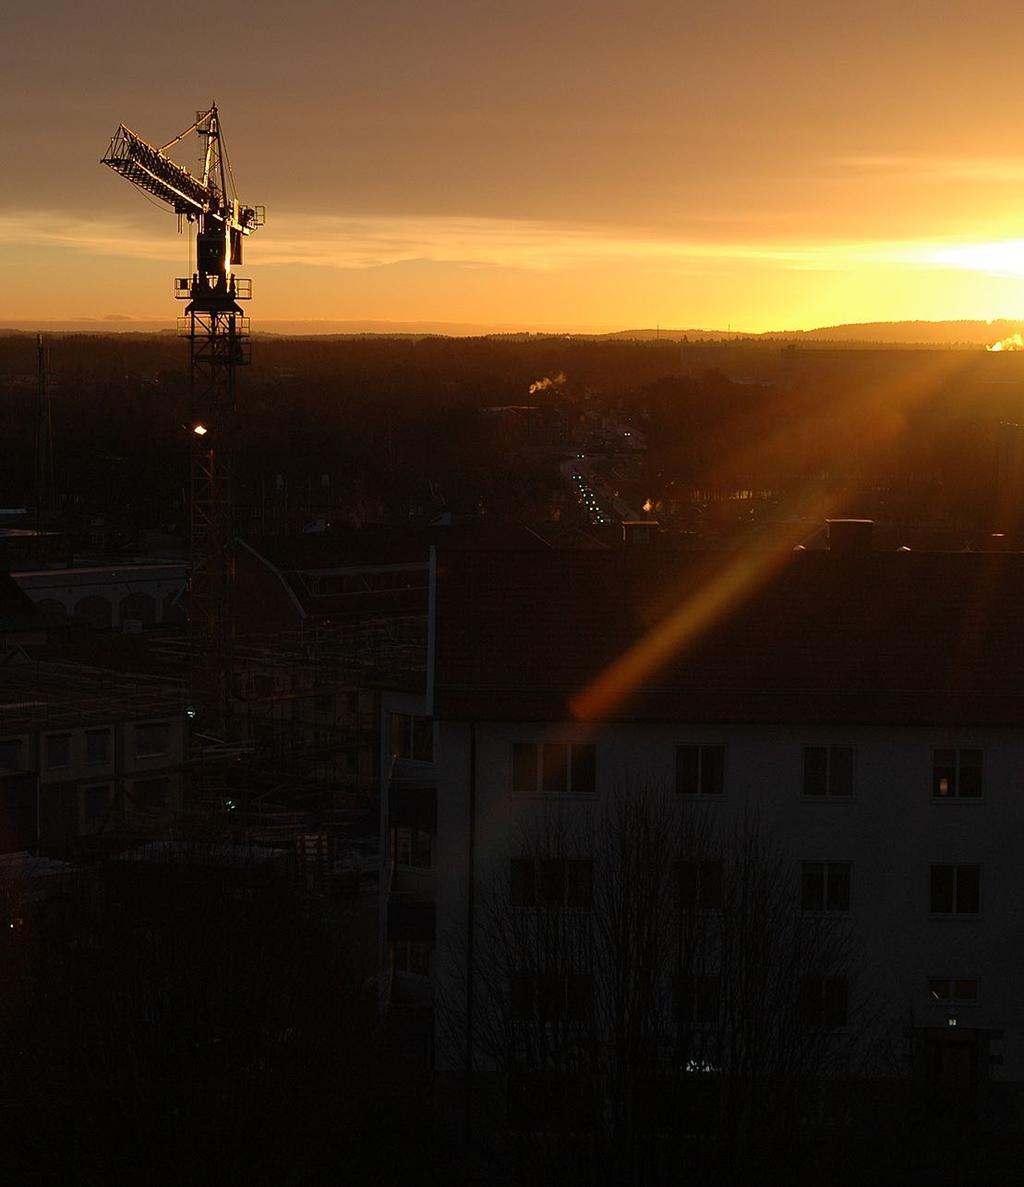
(218, 336)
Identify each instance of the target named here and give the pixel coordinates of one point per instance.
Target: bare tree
(646, 979)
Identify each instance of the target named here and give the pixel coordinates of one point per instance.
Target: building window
(697, 999)
(955, 890)
(825, 886)
(95, 807)
(411, 956)
(956, 774)
(551, 997)
(828, 770)
(952, 989)
(700, 885)
(824, 1001)
(58, 750)
(10, 754)
(152, 740)
(551, 882)
(554, 768)
(412, 737)
(97, 745)
(151, 794)
(411, 847)
(700, 770)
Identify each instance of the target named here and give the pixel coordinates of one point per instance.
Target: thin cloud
(367, 243)
(930, 168)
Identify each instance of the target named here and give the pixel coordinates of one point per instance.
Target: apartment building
(863, 708)
(85, 752)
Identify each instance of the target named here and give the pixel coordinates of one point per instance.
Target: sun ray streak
(730, 579)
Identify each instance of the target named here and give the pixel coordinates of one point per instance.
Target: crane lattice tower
(218, 337)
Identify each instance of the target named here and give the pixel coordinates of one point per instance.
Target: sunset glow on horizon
(734, 169)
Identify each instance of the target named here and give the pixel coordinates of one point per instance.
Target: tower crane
(218, 337)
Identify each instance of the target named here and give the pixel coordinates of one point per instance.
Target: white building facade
(881, 758)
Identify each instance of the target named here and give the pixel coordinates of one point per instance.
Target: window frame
(580, 762)
(411, 737)
(17, 746)
(957, 767)
(139, 787)
(701, 750)
(103, 732)
(953, 998)
(817, 1001)
(828, 795)
(58, 766)
(91, 821)
(826, 880)
(409, 840)
(702, 873)
(413, 958)
(138, 732)
(955, 911)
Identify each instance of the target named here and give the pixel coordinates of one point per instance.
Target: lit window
(956, 773)
(825, 886)
(700, 770)
(828, 770)
(554, 768)
(955, 890)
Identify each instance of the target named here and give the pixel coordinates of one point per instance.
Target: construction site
(171, 701)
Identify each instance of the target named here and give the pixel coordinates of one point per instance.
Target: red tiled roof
(906, 638)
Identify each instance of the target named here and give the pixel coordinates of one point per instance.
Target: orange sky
(758, 166)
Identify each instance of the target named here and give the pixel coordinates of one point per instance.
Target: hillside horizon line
(912, 332)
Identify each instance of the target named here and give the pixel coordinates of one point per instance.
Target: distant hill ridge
(904, 333)
(889, 333)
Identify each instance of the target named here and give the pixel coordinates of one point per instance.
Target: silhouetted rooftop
(909, 638)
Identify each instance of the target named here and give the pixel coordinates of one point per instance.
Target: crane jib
(146, 167)
(151, 171)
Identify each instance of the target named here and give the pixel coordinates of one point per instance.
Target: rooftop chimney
(849, 535)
